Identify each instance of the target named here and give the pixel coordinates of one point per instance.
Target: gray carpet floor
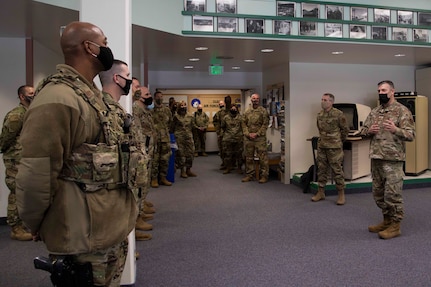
(214, 230)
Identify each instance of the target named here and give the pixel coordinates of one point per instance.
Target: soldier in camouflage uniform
(116, 83)
(201, 121)
(219, 115)
(142, 100)
(254, 125)
(333, 131)
(73, 191)
(182, 126)
(389, 126)
(162, 117)
(232, 139)
(11, 150)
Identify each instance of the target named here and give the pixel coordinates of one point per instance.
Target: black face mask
(28, 99)
(159, 101)
(183, 109)
(148, 101)
(383, 98)
(221, 107)
(126, 88)
(105, 56)
(233, 112)
(200, 111)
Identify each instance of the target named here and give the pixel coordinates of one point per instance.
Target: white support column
(115, 19)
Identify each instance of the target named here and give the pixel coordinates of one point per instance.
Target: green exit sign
(215, 70)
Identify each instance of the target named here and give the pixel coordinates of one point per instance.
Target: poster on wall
(195, 5)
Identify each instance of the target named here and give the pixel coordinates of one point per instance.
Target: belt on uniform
(95, 187)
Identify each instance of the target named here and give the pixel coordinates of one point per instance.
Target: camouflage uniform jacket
(147, 124)
(162, 118)
(231, 127)
(333, 129)
(201, 120)
(182, 125)
(386, 145)
(255, 121)
(219, 115)
(58, 122)
(12, 125)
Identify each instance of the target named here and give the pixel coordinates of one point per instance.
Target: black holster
(65, 272)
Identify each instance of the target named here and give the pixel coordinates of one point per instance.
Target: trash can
(171, 167)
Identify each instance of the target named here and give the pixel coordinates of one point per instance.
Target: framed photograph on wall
(286, 8)
(357, 32)
(307, 28)
(382, 15)
(404, 17)
(310, 10)
(399, 34)
(226, 6)
(424, 19)
(203, 23)
(195, 5)
(227, 24)
(334, 12)
(359, 14)
(254, 26)
(420, 35)
(379, 33)
(282, 27)
(334, 30)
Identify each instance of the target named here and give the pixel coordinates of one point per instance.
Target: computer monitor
(355, 114)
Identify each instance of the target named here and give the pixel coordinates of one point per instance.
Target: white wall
(12, 76)
(349, 83)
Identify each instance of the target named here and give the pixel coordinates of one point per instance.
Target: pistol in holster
(65, 272)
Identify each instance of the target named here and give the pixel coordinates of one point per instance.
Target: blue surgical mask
(150, 107)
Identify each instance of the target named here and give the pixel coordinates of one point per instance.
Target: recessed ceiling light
(188, 67)
(249, 60)
(236, 68)
(267, 50)
(337, 53)
(400, 55)
(201, 48)
(194, 59)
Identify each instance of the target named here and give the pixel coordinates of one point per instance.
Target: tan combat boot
(263, 179)
(149, 210)
(142, 225)
(148, 203)
(341, 199)
(154, 183)
(183, 173)
(190, 173)
(19, 233)
(140, 236)
(147, 217)
(247, 178)
(195, 154)
(204, 154)
(381, 226)
(392, 231)
(226, 171)
(164, 181)
(320, 195)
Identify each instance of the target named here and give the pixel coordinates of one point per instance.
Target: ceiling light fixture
(249, 60)
(201, 48)
(337, 53)
(400, 55)
(267, 50)
(194, 59)
(236, 68)
(188, 67)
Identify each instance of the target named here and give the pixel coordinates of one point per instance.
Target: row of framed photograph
(330, 12)
(309, 28)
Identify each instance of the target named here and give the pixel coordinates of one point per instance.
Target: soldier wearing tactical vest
(116, 82)
(73, 191)
(11, 149)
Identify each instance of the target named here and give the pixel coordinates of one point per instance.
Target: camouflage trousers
(330, 159)
(107, 264)
(11, 166)
(185, 152)
(233, 153)
(220, 146)
(199, 137)
(388, 186)
(258, 149)
(161, 155)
